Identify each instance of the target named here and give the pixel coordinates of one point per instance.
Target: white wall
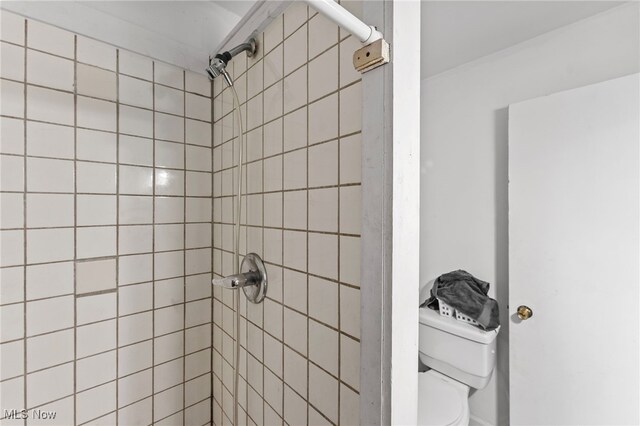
(464, 206)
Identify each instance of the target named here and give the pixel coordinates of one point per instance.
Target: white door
(574, 219)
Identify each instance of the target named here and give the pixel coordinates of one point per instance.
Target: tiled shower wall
(301, 104)
(106, 183)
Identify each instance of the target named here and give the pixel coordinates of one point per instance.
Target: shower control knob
(524, 312)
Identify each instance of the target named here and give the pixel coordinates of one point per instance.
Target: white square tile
(198, 133)
(323, 164)
(199, 158)
(135, 387)
(295, 250)
(95, 370)
(295, 290)
(49, 245)
(12, 213)
(350, 311)
(48, 210)
(53, 279)
(272, 138)
(95, 402)
(48, 385)
(169, 127)
(12, 325)
(136, 414)
(13, 248)
(198, 337)
(198, 184)
(323, 301)
(169, 237)
(351, 109)
(295, 90)
(96, 241)
(95, 178)
(166, 403)
(199, 413)
(295, 169)
(169, 182)
(169, 209)
(135, 298)
(12, 27)
(323, 255)
(169, 292)
(323, 74)
(323, 119)
(12, 284)
(50, 140)
(96, 53)
(323, 347)
(11, 359)
(11, 136)
(50, 349)
(168, 347)
(135, 180)
(169, 154)
(135, 210)
(197, 83)
(96, 82)
(96, 114)
(198, 261)
(136, 121)
(322, 34)
(323, 210)
(135, 269)
(12, 66)
(169, 100)
(96, 275)
(295, 331)
(295, 50)
(273, 102)
(350, 361)
(12, 98)
(294, 16)
(169, 264)
(273, 325)
(48, 105)
(135, 92)
(96, 210)
(295, 408)
(295, 372)
(95, 145)
(197, 364)
(168, 320)
(348, 74)
(295, 209)
(169, 75)
(315, 418)
(295, 129)
(44, 175)
(254, 177)
(273, 245)
(198, 235)
(198, 107)
(350, 159)
(48, 315)
(273, 209)
(135, 150)
(50, 39)
(95, 308)
(135, 65)
(273, 66)
(273, 33)
(254, 113)
(323, 392)
(350, 260)
(48, 70)
(349, 406)
(11, 173)
(135, 239)
(254, 79)
(350, 209)
(135, 328)
(134, 358)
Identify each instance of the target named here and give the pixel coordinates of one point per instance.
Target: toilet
(460, 357)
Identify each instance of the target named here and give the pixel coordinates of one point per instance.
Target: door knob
(524, 312)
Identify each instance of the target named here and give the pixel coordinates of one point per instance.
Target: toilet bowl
(443, 401)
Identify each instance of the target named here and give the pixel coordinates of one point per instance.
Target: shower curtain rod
(367, 34)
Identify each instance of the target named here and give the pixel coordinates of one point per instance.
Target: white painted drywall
(464, 153)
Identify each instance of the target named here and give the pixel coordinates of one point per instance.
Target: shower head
(218, 65)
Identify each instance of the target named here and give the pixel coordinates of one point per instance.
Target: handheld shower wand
(218, 64)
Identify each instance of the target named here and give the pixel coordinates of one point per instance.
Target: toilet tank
(456, 349)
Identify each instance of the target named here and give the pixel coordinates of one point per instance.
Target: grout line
(75, 230)
(153, 246)
(184, 252)
(117, 277)
(24, 224)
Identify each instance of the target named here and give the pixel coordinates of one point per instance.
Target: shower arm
(375, 51)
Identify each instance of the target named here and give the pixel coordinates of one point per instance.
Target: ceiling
(180, 32)
(457, 32)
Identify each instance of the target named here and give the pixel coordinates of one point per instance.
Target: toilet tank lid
(451, 325)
